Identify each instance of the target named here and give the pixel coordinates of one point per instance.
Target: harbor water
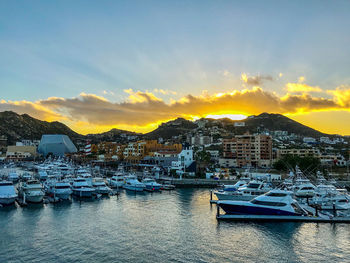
(176, 226)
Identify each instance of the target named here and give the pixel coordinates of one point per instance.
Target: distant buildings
(17, 153)
(298, 152)
(247, 151)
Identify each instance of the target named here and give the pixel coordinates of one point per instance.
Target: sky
(97, 65)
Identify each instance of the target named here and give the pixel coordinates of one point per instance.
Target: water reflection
(176, 226)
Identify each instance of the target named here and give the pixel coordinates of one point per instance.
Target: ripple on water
(177, 226)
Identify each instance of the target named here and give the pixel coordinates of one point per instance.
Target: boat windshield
(276, 194)
(5, 184)
(62, 187)
(253, 185)
(307, 188)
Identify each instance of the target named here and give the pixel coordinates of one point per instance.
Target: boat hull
(34, 198)
(7, 200)
(134, 188)
(238, 209)
(80, 193)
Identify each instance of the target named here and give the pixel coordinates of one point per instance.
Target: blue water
(177, 226)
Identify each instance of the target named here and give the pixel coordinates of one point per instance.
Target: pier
(322, 218)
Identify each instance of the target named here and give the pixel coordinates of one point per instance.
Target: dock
(264, 218)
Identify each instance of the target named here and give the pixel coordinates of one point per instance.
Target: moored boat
(31, 191)
(100, 186)
(7, 193)
(81, 188)
(132, 184)
(275, 203)
(151, 185)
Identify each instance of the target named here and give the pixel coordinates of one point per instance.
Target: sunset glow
(129, 71)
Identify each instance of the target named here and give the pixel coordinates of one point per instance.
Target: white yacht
(116, 181)
(327, 197)
(234, 187)
(31, 191)
(100, 186)
(275, 203)
(7, 193)
(60, 189)
(82, 173)
(151, 185)
(26, 176)
(131, 183)
(13, 176)
(81, 188)
(42, 175)
(245, 193)
(303, 188)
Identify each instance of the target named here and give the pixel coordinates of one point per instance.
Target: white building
(309, 140)
(184, 159)
(239, 124)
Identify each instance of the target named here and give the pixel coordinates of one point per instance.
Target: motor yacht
(26, 176)
(31, 191)
(151, 185)
(227, 188)
(167, 186)
(116, 181)
(13, 176)
(275, 203)
(42, 175)
(59, 189)
(100, 186)
(7, 193)
(81, 188)
(303, 188)
(245, 193)
(131, 183)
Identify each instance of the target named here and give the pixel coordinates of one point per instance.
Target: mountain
(171, 128)
(278, 122)
(111, 136)
(16, 127)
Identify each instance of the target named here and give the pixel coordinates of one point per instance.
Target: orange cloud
(301, 88)
(143, 110)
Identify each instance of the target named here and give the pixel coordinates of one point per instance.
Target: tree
(203, 159)
(288, 162)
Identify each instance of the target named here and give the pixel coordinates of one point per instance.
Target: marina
(174, 226)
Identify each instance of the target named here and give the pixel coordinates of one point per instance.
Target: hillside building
(18, 153)
(247, 151)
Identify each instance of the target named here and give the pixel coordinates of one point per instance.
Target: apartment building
(248, 150)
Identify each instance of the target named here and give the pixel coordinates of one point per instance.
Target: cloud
(341, 95)
(301, 88)
(255, 80)
(165, 92)
(34, 109)
(142, 109)
(301, 79)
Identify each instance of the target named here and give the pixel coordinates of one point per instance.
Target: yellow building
(21, 152)
(136, 151)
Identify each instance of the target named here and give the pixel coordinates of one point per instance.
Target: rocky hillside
(114, 135)
(16, 127)
(171, 128)
(274, 122)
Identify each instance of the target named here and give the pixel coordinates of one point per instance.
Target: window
(276, 194)
(268, 203)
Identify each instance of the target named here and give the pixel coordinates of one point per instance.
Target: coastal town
(174, 131)
(209, 149)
